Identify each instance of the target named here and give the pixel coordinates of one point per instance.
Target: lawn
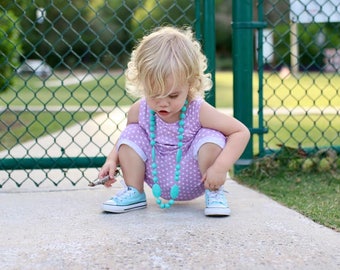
(24, 126)
(306, 92)
(313, 193)
(37, 108)
(310, 90)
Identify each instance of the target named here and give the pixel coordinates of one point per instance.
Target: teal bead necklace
(156, 189)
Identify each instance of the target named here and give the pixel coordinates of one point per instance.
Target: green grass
(307, 91)
(106, 91)
(308, 182)
(312, 131)
(315, 195)
(20, 127)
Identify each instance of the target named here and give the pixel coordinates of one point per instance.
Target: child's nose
(163, 102)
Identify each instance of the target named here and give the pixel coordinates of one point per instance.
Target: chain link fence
(62, 96)
(301, 81)
(63, 104)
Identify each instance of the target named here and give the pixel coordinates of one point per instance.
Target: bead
(174, 192)
(158, 201)
(167, 205)
(180, 137)
(153, 165)
(155, 179)
(178, 167)
(162, 205)
(180, 144)
(153, 153)
(182, 116)
(171, 202)
(181, 123)
(181, 130)
(156, 190)
(179, 155)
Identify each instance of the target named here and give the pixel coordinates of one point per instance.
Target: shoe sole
(217, 212)
(123, 208)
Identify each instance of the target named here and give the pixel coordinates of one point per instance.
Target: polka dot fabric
(137, 137)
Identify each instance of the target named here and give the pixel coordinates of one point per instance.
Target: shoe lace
(216, 196)
(125, 192)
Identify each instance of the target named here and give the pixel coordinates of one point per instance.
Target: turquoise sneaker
(125, 200)
(216, 203)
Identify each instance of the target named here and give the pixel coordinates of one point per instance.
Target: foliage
(160, 13)
(93, 32)
(295, 160)
(111, 25)
(17, 7)
(99, 33)
(310, 52)
(9, 48)
(61, 37)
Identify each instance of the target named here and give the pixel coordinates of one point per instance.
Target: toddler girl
(177, 143)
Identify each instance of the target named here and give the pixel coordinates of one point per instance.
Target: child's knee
(209, 149)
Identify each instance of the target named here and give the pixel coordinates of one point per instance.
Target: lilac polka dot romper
(137, 137)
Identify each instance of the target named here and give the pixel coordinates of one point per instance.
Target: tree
(9, 47)
(156, 13)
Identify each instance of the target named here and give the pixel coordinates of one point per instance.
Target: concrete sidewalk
(66, 229)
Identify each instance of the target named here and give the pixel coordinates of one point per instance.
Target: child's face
(168, 107)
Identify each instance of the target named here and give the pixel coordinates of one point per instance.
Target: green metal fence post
(261, 128)
(243, 71)
(210, 44)
(197, 24)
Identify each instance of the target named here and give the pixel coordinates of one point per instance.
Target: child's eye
(173, 96)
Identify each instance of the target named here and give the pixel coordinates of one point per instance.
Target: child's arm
(112, 161)
(236, 133)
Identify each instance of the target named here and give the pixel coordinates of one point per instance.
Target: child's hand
(109, 168)
(213, 179)
(109, 183)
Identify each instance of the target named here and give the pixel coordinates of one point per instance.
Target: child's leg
(210, 145)
(216, 202)
(133, 167)
(207, 155)
(131, 154)
(132, 148)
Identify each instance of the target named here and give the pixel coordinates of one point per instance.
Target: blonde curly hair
(167, 52)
